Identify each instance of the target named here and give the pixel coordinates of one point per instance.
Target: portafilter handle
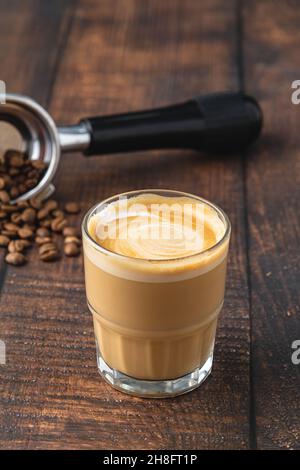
(220, 122)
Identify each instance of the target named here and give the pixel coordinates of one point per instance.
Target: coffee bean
(4, 196)
(25, 232)
(7, 179)
(42, 240)
(31, 183)
(16, 246)
(3, 214)
(22, 204)
(70, 232)
(38, 164)
(47, 247)
(15, 217)
(46, 223)
(51, 205)
(21, 178)
(48, 252)
(57, 225)
(11, 227)
(72, 208)
(26, 243)
(30, 227)
(14, 171)
(2, 183)
(16, 159)
(28, 215)
(43, 232)
(17, 259)
(71, 249)
(58, 214)
(8, 233)
(22, 188)
(42, 213)
(35, 203)
(51, 255)
(71, 239)
(32, 174)
(14, 192)
(9, 208)
(4, 241)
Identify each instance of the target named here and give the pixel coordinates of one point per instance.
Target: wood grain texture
(31, 35)
(271, 58)
(121, 56)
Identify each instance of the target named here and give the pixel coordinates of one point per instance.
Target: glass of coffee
(155, 268)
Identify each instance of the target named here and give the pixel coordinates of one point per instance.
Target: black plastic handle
(219, 122)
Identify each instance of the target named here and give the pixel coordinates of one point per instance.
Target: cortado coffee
(155, 267)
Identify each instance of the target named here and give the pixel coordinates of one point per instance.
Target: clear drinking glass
(155, 320)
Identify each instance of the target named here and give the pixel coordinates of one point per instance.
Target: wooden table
(86, 57)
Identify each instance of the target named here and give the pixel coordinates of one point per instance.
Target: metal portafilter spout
(220, 122)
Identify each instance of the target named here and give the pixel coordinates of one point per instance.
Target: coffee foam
(139, 257)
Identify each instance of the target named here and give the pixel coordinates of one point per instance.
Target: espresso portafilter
(220, 122)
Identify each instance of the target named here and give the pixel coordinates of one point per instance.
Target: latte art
(154, 227)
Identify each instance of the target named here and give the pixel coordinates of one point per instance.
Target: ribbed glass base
(154, 388)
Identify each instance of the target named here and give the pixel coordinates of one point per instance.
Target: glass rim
(98, 247)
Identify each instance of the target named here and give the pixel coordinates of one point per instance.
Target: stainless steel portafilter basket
(220, 122)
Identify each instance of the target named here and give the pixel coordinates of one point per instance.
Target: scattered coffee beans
(25, 232)
(71, 249)
(72, 208)
(41, 240)
(70, 232)
(16, 246)
(71, 239)
(4, 240)
(4, 196)
(50, 205)
(48, 251)
(43, 232)
(34, 222)
(58, 224)
(17, 259)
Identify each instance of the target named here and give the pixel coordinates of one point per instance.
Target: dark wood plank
(271, 48)
(122, 56)
(32, 33)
